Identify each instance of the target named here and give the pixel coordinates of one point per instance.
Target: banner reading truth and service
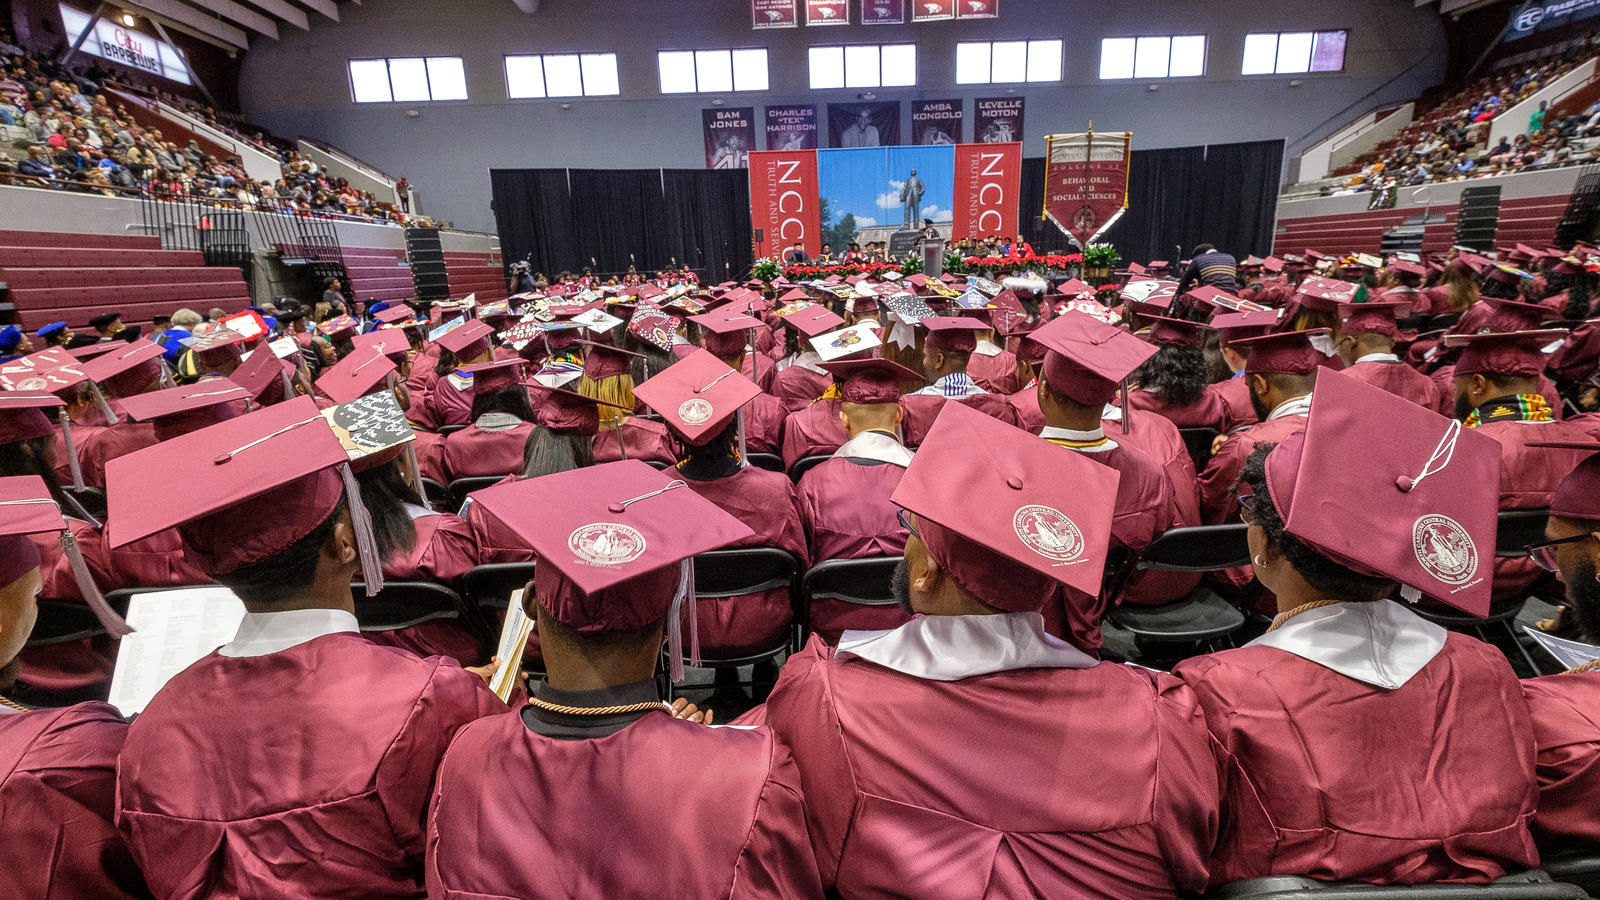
(936, 121)
(988, 185)
(792, 127)
(1086, 181)
(784, 202)
(730, 136)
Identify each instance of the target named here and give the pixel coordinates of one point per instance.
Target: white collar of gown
(875, 445)
(1381, 643)
(950, 648)
(261, 634)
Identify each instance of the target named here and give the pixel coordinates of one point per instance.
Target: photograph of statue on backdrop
(890, 194)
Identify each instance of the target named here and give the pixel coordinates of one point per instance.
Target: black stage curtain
(609, 219)
(1222, 194)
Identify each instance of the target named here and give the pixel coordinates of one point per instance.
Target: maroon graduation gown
(909, 793)
(99, 446)
(1566, 731)
(495, 542)
(1337, 779)
(429, 448)
(995, 374)
(1235, 396)
(1210, 411)
(80, 432)
(662, 808)
(766, 503)
(815, 430)
(760, 368)
(443, 405)
(1528, 476)
(798, 386)
(1160, 440)
(644, 439)
(301, 773)
(845, 508)
(472, 451)
(422, 376)
(57, 788)
(444, 552)
(1029, 416)
(1216, 482)
(764, 418)
(1403, 381)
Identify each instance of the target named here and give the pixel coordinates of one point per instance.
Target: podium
(933, 257)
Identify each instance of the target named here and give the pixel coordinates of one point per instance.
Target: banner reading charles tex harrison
(1086, 181)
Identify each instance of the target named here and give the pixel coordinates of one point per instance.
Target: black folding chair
(1518, 529)
(658, 464)
(1443, 321)
(90, 500)
(438, 495)
(861, 582)
(461, 487)
(1576, 864)
(772, 462)
(490, 586)
(403, 604)
(1530, 885)
(450, 429)
(748, 570)
(805, 464)
(63, 621)
(1197, 440)
(1202, 616)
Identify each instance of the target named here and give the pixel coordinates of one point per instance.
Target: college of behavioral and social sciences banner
(730, 136)
(784, 203)
(1540, 15)
(864, 124)
(936, 121)
(792, 127)
(827, 12)
(988, 190)
(997, 120)
(774, 14)
(883, 12)
(1086, 182)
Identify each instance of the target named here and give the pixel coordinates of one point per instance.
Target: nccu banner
(784, 203)
(1086, 182)
(1541, 15)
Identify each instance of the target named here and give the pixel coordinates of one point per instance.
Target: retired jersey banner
(784, 202)
(932, 10)
(1086, 182)
(936, 121)
(774, 14)
(977, 9)
(792, 127)
(883, 12)
(988, 190)
(730, 136)
(997, 120)
(827, 12)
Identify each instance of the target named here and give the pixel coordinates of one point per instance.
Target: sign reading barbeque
(1086, 181)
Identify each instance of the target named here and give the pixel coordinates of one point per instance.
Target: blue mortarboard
(378, 307)
(50, 329)
(10, 337)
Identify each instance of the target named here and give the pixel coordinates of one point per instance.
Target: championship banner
(774, 14)
(784, 202)
(730, 136)
(997, 120)
(883, 12)
(792, 127)
(936, 121)
(932, 10)
(988, 190)
(827, 12)
(1086, 182)
(978, 9)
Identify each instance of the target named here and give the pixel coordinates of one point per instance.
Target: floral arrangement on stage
(908, 266)
(1100, 256)
(989, 265)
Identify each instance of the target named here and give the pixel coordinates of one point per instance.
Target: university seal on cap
(606, 544)
(1444, 549)
(695, 411)
(33, 384)
(1048, 532)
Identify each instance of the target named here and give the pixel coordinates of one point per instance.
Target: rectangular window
(864, 66)
(1293, 52)
(1151, 56)
(1002, 62)
(408, 80)
(562, 75)
(712, 71)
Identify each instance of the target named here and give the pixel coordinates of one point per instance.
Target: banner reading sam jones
(1086, 182)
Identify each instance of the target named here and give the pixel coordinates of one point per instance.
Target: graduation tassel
(166, 376)
(744, 459)
(687, 589)
(114, 624)
(105, 405)
(72, 452)
(1127, 412)
(414, 469)
(366, 542)
(675, 632)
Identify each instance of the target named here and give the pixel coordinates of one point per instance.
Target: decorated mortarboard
(102, 348)
(870, 381)
(691, 305)
(468, 341)
(27, 507)
(1272, 264)
(1367, 261)
(438, 332)
(597, 320)
(613, 542)
(1325, 294)
(1391, 489)
(1087, 358)
(339, 328)
(984, 285)
(972, 299)
(697, 396)
(361, 372)
(1005, 514)
(1373, 317)
(248, 324)
(287, 452)
(654, 327)
(1234, 326)
(51, 369)
(1506, 274)
(1149, 297)
(1519, 353)
(854, 339)
(216, 347)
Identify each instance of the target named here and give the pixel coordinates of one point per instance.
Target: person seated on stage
(1084, 364)
(764, 414)
(501, 420)
(1422, 769)
(1496, 394)
(699, 398)
(205, 780)
(1173, 382)
(844, 501)
(513, 810)
(449, 401)
(997, 518)
(945, 355)
(57, 766)
(796, 255)
(1280, 370)
(1367, 333)
(1566, 708)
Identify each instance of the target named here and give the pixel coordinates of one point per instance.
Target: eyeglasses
(1543, 554)
(1247, 508)
(905, 522)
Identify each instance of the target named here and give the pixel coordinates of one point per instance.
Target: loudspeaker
(759, 238)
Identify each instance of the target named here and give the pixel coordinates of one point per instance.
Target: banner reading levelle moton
(784, 203)
(1086, 182)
